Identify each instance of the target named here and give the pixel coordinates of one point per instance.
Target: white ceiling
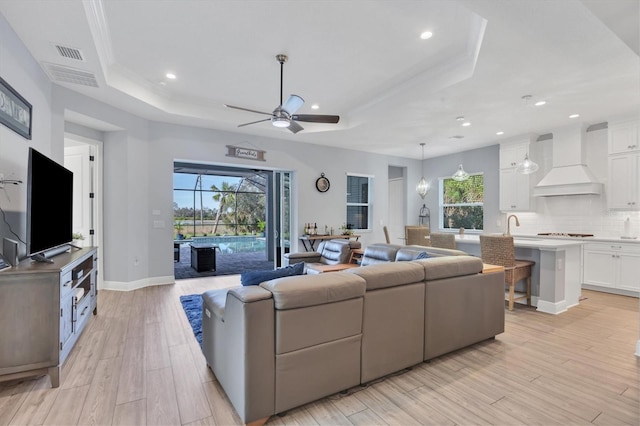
(363, 60)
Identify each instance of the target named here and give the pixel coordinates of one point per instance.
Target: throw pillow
(422, 255)
(257, 277)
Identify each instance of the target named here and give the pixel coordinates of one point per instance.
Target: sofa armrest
(238, 342)
(306, 257)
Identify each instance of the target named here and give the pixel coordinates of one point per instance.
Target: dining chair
(416, 235)
(499, 250)
(443, 240)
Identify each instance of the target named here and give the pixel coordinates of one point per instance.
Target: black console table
(203, 257)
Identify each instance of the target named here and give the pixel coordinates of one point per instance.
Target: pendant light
(423, 186)
(527, 166)
(460, 174)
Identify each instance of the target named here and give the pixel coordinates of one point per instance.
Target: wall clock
(322, 183)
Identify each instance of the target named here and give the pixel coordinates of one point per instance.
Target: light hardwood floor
(138, 363)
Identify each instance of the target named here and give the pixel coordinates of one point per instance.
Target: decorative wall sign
(251, 154)
(322, 183)
(15, 111)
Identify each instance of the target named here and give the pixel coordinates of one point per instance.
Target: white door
(396, 211)
(78, 159)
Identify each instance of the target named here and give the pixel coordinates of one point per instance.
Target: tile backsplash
(585, 214)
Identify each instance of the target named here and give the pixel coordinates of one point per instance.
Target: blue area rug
(192, 305)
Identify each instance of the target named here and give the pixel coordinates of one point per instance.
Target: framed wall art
(15, 111)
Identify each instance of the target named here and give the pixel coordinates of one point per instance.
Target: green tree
(463, 203)
(226, 197)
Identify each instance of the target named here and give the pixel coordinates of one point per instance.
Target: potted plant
(77, 237)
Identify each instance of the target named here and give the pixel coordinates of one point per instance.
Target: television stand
(45, 307)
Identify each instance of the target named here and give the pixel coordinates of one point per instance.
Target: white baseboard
(552, 308)
(134, 285)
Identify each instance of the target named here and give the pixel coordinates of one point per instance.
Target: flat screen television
(49, 207)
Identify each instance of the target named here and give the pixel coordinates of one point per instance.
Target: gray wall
(482, 160)
(138, 167)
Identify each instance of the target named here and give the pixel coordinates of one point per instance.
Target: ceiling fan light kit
(283, 116)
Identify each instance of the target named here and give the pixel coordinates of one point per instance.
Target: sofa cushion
(410, 253)
(437, 251)
(436, 268)
(379, 253)
(256, 277)
(389, 274)
(311, 290)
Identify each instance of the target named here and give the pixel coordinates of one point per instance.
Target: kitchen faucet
(508, 233)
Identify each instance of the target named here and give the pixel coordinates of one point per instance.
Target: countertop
(595, 239)
(528, 241)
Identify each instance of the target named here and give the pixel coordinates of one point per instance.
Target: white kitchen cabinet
(623, 188)
(515, 188)
(612, 265)
(512, 154)
(515, 194)
(623, 137)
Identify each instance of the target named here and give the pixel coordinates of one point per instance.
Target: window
(461, 203)
(359, 207)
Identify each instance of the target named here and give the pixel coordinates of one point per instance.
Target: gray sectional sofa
(297, 339)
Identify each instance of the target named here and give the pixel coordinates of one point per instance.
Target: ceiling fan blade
(247, 109)
(294, 127)
(316, 118)
(293, 104)
(254, 122)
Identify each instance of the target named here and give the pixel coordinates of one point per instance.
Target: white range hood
(569, 174)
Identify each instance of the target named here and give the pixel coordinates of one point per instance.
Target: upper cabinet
(512, 154)
(515, 188)
(623, 188)
(623, 137)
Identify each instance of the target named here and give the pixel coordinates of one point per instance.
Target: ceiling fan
(284, 114)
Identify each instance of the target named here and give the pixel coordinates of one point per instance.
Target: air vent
(69, 52)
(456, 137)
(71, 75)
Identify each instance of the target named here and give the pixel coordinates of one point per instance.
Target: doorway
(396, 208)
(83, 157)
(244, 213)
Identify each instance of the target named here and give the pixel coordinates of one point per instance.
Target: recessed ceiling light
(574, 116)
(171, 76)
(315, 106)
(460, 118)
(466, 124)
(162, 83)
(426, 35)
(540, 103)
(500, 133)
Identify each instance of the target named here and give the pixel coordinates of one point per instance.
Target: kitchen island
(555, 279)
